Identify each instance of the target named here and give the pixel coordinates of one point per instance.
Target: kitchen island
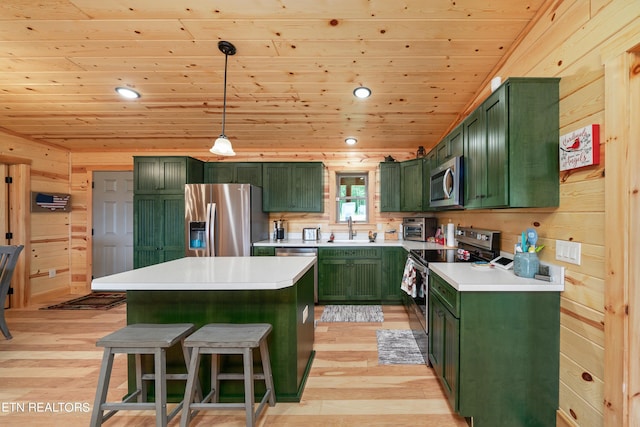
(275, 290)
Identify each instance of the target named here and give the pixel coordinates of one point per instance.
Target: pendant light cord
(224, 100)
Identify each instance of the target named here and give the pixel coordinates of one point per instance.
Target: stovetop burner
(473, 245)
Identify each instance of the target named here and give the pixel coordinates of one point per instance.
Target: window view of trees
(352, 197)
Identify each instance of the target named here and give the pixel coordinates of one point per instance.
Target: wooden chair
(8, 259)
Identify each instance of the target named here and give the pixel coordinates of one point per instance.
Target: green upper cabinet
(475, 160)
(511, 147)
(451, 146)
(389, 187)
(495, 114)
(165, 175)
(293, 187)
(412, 182)
(233, 172)
(429, 162)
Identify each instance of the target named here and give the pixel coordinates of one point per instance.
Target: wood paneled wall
(38, 167)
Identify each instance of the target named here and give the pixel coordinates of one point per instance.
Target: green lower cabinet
(444, 347)
(264, 251)
(393, 262)
(349, 274)
(496, 353)
(158, 225)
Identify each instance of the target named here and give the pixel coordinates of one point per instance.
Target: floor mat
(399, 347)
(352, 313)
(93, 301)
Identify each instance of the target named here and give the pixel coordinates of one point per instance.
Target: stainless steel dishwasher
(290, 251)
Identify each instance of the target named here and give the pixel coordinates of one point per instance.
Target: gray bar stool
(141, 339)
(216, 339)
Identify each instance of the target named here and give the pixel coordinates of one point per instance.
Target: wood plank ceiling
(289, 85)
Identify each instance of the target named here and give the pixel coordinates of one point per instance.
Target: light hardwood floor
(49, 371)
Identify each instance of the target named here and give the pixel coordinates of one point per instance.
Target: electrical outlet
(568, 251)
(52, 272)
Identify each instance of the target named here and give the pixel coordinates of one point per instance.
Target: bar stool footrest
(152, 377)
(239, 377)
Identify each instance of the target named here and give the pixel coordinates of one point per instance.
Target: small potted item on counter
(525, 260)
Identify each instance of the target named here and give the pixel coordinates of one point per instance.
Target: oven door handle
(418, 266)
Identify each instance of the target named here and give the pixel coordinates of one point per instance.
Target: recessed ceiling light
(362, 92)
(350, 140)
(125, 92)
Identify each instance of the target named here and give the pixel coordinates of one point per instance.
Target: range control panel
(486, 239)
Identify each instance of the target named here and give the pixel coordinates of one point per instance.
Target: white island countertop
(210, 273)
(465, 277)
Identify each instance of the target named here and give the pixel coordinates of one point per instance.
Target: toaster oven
(310, 234)
(419, 228)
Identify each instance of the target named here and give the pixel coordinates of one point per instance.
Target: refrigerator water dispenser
(197, 235)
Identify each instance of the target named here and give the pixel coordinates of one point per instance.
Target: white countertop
(210, 273)
(466, 278)
(299, 243)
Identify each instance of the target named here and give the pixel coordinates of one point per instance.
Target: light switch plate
(568, 251)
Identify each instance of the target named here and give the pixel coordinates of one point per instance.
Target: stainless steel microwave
(446, 184)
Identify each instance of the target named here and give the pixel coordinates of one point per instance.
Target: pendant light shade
(222, 145)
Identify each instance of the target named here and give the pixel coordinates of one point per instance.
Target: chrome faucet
(350, 224)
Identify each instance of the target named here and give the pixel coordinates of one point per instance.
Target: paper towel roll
(451, 239)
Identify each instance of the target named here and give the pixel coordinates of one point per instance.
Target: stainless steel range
(473, 245)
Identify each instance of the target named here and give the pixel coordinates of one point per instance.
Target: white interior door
(112, 223)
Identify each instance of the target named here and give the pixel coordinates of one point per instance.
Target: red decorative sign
(580, 148)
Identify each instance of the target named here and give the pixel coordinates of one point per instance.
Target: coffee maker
(279, 230)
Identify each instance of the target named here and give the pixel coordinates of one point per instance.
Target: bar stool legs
(220, 339)
(141, 339)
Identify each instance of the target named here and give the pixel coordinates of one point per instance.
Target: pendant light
(222, 146)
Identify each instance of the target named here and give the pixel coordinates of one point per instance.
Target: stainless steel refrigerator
(223, 219)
